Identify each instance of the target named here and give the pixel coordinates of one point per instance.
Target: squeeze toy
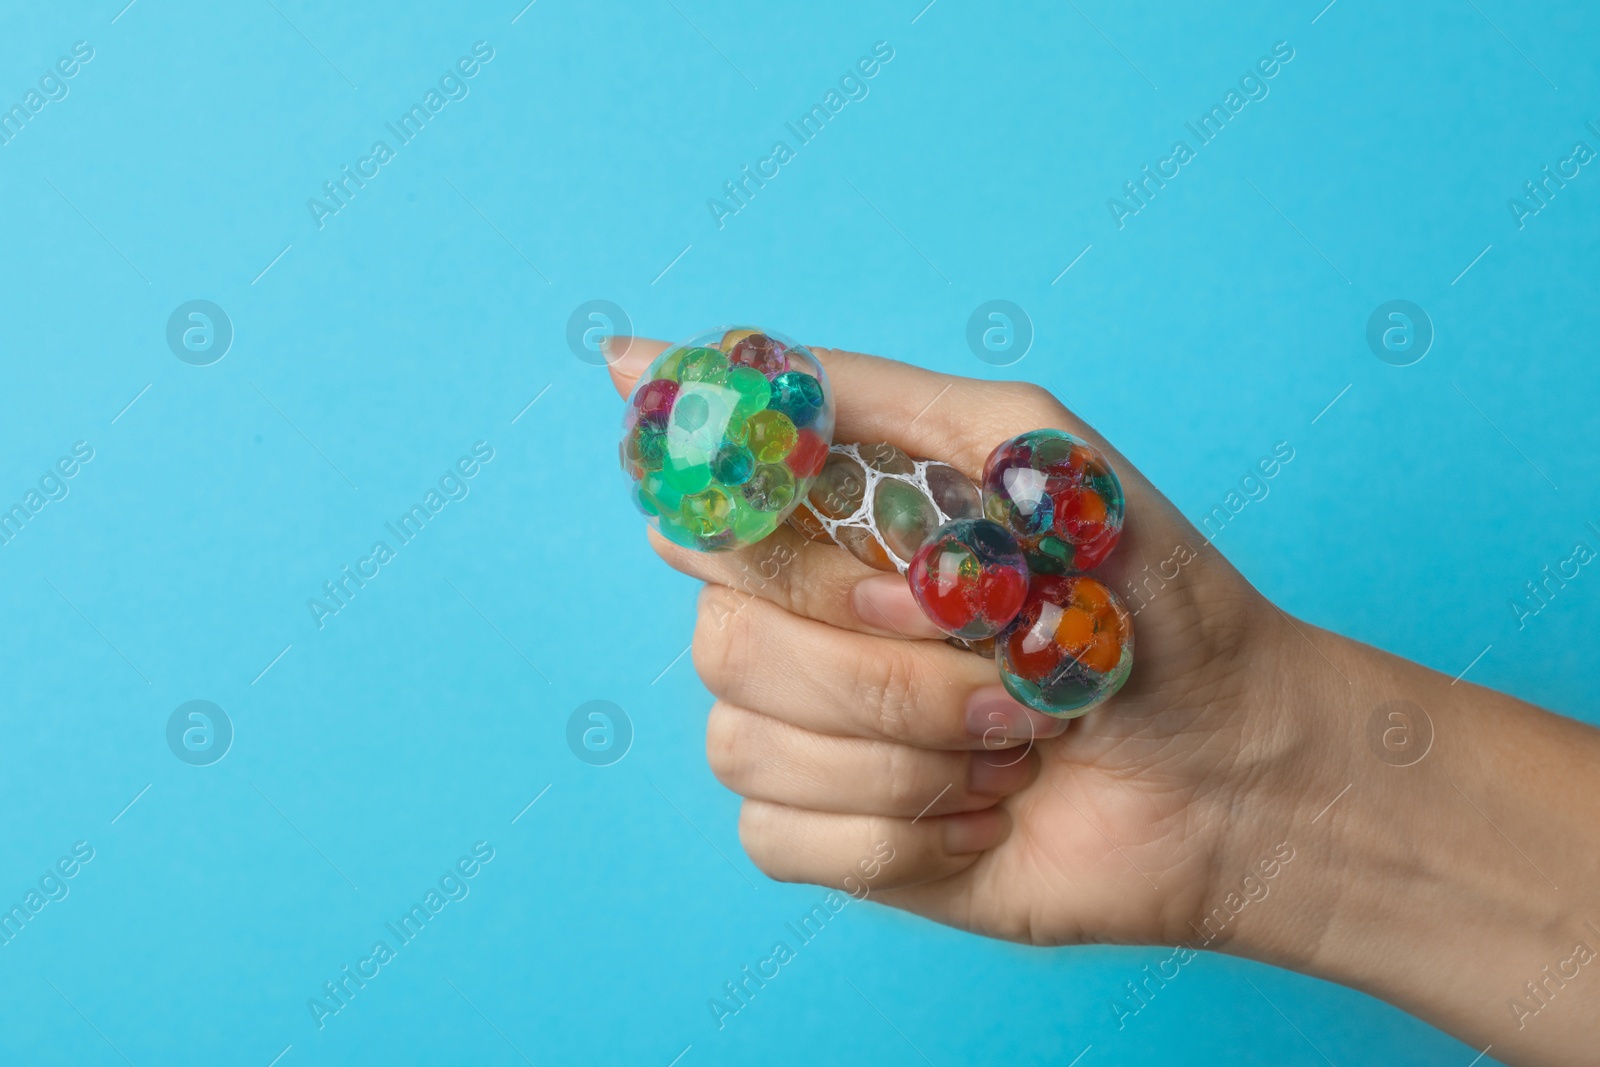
(729, 435)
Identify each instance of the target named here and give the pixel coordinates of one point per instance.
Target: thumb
(627, 358)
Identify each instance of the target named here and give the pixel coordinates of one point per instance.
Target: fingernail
(994, 715)
(975, 831)
(999, 774)
(623, 356)
(884, 602)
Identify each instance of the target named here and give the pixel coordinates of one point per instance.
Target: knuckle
(888, 683)
(716, 636)
(1029, 396)
(902, 778)
(784, 572)
(726, 745)
(756, 837)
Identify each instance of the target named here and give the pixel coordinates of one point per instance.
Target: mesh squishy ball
(1069, 649)
(1060, 498)
(970, 579)
(882, 505)
(724, 435)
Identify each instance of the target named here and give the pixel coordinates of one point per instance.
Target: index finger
(926, 413)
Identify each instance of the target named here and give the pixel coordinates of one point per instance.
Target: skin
(1230, 797)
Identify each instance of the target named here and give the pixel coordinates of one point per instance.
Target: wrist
(1435, 860)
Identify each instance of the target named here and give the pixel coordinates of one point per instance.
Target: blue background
(425, 316)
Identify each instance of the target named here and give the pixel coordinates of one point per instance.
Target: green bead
(686, 477)
(645, 502)
(749, 523)
(1050, 450)
(904, 516)
(703, 365)
(668, 364)
(654, 487)
(676, 531)
(647, 447)
(690, 412)
(754, 390)
(1050, 555)
(732, 464)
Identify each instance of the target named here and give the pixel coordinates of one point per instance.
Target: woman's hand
(1240, 793)
(854, 733)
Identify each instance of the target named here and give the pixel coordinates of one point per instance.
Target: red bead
(810, 452)
(1093, 551)
(761, 352)
(970, 578)
(1001, 592)
(945, 596)
(654, 400)
(1032, 656)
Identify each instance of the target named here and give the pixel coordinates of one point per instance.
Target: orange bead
(1114, 623)
(1091, 596)
(733, 337)
(1075, 630)
(863, 546)
(1102, 654)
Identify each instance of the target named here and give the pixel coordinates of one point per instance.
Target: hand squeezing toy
(727, 436)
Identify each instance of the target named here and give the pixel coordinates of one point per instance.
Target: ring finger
(763, 758)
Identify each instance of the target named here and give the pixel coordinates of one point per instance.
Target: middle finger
(924, 693)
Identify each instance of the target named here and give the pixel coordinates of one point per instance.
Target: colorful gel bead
(864, 545)
(646, 447)
(840, 488)
(807, 457)
(903, 516)
(886, 458)
(703, 365)
(770, 435)
(654, 399)
(881, 504)
(760, 352)
(970, 578)
(1060, 498)
(707, 512)
(805, 520)
(733, 464)
(711, 442)
(953, 492)
(1069, 648)
(798, 395)
(755, 392)
(770, 488)
(686, 474)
